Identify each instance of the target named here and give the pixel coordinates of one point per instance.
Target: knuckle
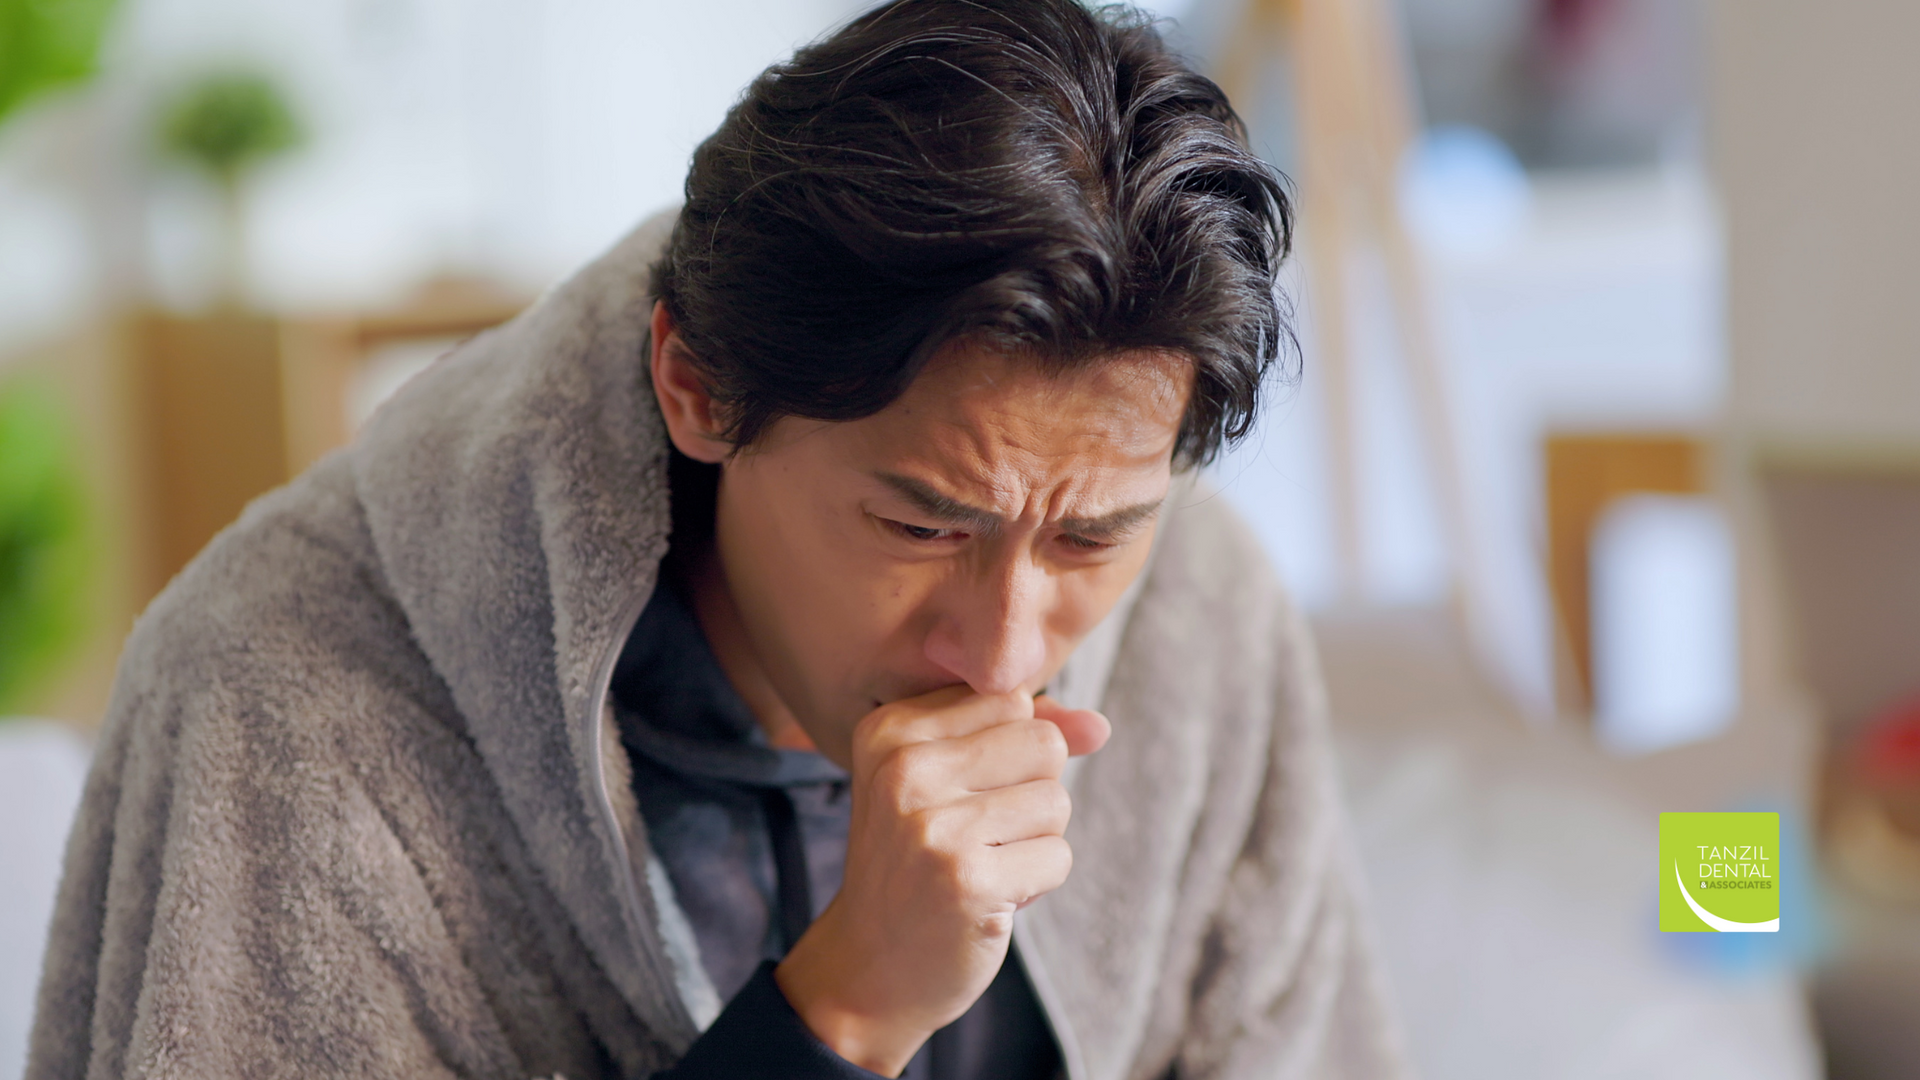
(1056, 803)
(953, 872)
(896, 778)
(869, 743)
(1058, 862)
(925, 830)
(997, 924)
(1050, 741)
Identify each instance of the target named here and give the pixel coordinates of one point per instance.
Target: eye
(922, 532)
(1081, 543)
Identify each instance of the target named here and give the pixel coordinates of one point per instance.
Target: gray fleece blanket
(357, 808)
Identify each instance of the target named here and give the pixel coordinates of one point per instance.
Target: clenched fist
(957, 817)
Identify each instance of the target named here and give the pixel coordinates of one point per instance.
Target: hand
(958, 812)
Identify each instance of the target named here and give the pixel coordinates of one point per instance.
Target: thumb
(1086, 730)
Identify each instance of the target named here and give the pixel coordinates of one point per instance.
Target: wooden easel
(1356, 116)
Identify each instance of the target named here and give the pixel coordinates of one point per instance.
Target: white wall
(497, 136)
(43, 767)
(1817, 153)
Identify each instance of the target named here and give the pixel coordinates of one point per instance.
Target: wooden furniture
(208, 398)
(231, 405)
(183, 420)
(322, 358)
(1846, 537)
(1585, 473)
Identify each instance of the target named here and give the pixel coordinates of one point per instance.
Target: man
(681, 680)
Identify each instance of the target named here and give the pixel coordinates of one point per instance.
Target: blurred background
(1601, 482)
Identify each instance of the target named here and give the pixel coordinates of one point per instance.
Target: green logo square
(1720, 872)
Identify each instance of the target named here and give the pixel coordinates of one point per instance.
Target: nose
(991, 634)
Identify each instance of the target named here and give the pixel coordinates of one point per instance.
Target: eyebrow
(1112, 525)
(954, 512)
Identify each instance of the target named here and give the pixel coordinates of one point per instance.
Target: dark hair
(1046, 178)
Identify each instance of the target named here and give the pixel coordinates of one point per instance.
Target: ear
(684, 400)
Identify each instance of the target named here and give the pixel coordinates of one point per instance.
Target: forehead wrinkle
(1011, 497)
(980, 454)
(1032, 455)
(1007, 463)
(1003, 442)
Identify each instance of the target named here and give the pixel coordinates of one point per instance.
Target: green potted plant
(225, 124)
(46, 551)
(47, 559)
(46, 44)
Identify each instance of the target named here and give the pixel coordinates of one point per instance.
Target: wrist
(814, 989)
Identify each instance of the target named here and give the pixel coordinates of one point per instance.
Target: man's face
(972, 532)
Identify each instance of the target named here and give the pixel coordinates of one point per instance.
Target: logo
(1720, 872)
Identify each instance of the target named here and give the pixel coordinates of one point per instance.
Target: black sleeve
(758, 1036)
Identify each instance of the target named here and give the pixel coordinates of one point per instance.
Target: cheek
(1085, 598)
(812, 571)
